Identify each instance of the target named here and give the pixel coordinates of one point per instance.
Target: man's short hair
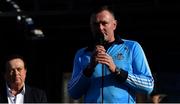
(15, 56)
(100, 8)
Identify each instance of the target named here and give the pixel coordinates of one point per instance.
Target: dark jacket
(32, 95)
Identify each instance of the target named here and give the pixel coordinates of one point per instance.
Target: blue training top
(135, 75)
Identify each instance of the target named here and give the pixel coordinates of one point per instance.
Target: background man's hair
(15, 56)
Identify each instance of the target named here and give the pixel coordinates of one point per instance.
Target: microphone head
(99, 39)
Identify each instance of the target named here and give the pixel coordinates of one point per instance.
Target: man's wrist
(120, 74)
(117, 71)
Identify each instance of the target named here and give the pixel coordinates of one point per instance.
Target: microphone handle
(102, 83)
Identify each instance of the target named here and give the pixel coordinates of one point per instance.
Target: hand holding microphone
(101, 56)
(98, 50)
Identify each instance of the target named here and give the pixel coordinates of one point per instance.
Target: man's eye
(104, 23)
(19, 69)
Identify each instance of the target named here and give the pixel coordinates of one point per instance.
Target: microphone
(100, 40)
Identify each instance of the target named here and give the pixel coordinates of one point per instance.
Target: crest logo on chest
(120, 56)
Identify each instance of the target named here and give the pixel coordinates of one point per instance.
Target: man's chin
(17, 82)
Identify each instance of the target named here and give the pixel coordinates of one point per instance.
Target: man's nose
(101, 27)
(16, 72)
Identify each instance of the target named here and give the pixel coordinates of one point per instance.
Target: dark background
(65, 24)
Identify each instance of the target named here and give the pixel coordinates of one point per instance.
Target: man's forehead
(102, 14)
(16, 62)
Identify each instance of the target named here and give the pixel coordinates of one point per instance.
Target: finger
(103, 62)
(103, 58)
(100, 48)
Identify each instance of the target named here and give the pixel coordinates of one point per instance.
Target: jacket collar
(118, 40)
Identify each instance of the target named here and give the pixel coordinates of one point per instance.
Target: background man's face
(15, 72)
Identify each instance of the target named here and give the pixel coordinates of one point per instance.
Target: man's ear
(115, 24)
(26, 70)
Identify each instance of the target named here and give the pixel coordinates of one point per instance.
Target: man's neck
(15, 89)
